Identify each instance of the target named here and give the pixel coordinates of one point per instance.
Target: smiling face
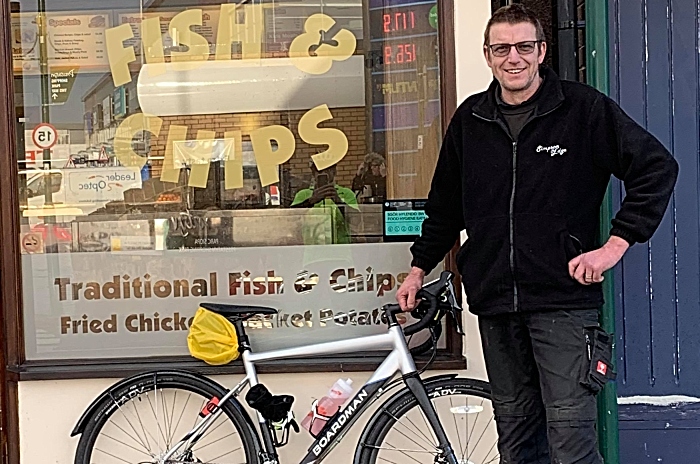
(518, 74)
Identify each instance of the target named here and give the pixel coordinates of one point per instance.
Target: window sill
(120, 368)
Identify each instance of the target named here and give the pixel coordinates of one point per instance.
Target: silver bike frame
(398, 360)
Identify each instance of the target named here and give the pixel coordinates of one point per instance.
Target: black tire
(399, 433)
(136, 422)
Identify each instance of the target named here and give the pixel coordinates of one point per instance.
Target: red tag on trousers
(602, 368)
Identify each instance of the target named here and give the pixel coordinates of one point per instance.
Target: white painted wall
(50, 409)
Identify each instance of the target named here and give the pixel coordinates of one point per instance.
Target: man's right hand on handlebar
(406, 295)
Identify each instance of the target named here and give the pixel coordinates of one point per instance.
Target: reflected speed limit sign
(44, 136)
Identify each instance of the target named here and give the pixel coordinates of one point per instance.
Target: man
(325, 194)
(523, 168)
(369, 183)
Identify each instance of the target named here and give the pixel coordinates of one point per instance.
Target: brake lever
(455, 309)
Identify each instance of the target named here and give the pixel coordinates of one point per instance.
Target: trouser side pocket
(598, 368)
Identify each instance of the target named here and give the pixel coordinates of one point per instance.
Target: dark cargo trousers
(535, 362)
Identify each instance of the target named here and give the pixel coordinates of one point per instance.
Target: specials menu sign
(73, 40)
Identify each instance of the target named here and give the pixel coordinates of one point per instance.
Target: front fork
(415, 385)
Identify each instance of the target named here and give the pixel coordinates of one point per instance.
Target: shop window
(272, 153)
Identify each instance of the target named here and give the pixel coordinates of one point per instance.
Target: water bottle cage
(318, 415)
(280, 429)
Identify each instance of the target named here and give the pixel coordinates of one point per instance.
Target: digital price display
(399, 21)
(399, 54)
(405, 31)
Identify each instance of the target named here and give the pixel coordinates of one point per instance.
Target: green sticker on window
(433, 17)
(403, 219)
(403, 222)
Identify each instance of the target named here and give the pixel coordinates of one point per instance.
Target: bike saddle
(237, 311)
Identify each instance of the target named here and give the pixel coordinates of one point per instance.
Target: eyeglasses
(524, 48)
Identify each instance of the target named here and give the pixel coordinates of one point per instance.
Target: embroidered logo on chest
(554, 150)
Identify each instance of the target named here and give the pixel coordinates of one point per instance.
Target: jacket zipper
(511, 207)
(511, 210)
(511, 228)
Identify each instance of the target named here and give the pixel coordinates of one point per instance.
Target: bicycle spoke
(115, 457)
(196, 416)
(467, 434)
(402, 434)
(172, 415)
(216, 441)
(467, 411)
(155, 415)
(144, 442)
(394, 448)
(128, 435)
(406, 454)
(166, 425)
(155, 393)
(149, 416)
(225, 454)
(161, 404)
(491, 449)
(387, 460)
(127, 445)
(420, 436)
(209, 432)
(183, 411)
(413, 440)
(454, 419)
(422, 415)
(481, 436)
(476, 420)
(146, 433)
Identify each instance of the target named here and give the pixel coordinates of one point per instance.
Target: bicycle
(177, 417)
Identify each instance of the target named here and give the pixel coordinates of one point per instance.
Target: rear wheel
(147, 416)
(400, 433)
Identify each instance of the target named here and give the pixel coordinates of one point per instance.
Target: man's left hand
(588, 268)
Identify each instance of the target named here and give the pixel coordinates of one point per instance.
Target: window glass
(274, 153)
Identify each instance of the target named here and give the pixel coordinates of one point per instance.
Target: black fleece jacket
(531, 205)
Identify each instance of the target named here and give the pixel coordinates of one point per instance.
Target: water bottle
(323, 409)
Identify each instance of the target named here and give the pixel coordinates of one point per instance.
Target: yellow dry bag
(212, 338)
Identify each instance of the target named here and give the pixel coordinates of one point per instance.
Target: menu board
(73, 40)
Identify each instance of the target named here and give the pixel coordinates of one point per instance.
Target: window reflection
(213, 110)
(246, 146)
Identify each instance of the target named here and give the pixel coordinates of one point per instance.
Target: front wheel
(399, 431)
(142, 419)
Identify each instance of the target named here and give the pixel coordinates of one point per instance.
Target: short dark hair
(514, 14)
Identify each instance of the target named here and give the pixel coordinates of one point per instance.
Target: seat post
(243, 341)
